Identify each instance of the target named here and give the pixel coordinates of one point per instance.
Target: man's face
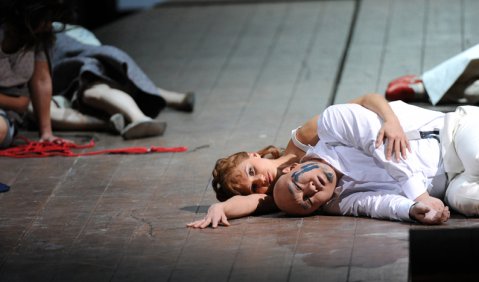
(305, 187)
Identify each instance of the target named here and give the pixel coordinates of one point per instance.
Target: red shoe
(405, 91)
(410, 78)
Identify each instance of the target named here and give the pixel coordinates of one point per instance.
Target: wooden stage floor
(259, 69)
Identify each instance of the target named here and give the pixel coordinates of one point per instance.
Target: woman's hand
(397, 141)
(49, 137)
(215, 216)
(391, 130)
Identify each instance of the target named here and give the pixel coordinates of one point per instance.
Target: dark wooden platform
(259, 69)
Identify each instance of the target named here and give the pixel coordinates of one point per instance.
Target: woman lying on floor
(244, 182)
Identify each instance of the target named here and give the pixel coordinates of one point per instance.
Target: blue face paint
(329, 176)
(304, 168)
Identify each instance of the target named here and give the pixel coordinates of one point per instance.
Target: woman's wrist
(300, 145)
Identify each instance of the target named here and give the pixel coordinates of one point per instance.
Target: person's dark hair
(225, 174)
(30, 20)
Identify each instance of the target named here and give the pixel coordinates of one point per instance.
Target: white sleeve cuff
(403, 210)
(414, 186)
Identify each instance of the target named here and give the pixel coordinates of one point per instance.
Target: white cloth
(440, 79)
(79, 33)
(347, 141)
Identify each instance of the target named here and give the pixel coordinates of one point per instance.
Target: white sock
(418, 87)
(473, 89)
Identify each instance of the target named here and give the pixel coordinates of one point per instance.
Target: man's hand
(396, 140)
(427, 215)
(431, 202)
(216, 215)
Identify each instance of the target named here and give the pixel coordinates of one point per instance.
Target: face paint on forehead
(303, 169)
(309, 167)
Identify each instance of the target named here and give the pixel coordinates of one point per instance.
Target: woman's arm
(306, 134)
(41, 95)
(391, 130)
(235, 207)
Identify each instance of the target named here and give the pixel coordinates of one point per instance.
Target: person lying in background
(455, 81)
(100, 87)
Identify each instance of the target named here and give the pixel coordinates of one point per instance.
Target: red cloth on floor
(34, 149)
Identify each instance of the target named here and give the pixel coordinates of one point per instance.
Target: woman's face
(256, 175)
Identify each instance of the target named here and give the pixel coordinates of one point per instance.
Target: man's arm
(384, 205)
(235, 207)
(374, 204)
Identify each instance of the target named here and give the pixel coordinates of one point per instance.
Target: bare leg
(171, 97)
(472, 93)
(3, 128)
(70, 119)
(110, 100)
(113, 101)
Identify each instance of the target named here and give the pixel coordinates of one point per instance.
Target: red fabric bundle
(34, 149)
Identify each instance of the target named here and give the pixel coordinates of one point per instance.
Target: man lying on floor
(345, 174)
(311, 186)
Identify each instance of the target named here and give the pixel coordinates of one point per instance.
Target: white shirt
(372, 185)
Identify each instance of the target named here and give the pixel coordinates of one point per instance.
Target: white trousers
(461, 160)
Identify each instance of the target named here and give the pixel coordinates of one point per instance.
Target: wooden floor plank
(274, 87)
(265, 255)
(471, 33)
(323, 252)
(402, 53)
(363, 62)
(380, 255)
(444, 32)
(237, 79)
(314, 85)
